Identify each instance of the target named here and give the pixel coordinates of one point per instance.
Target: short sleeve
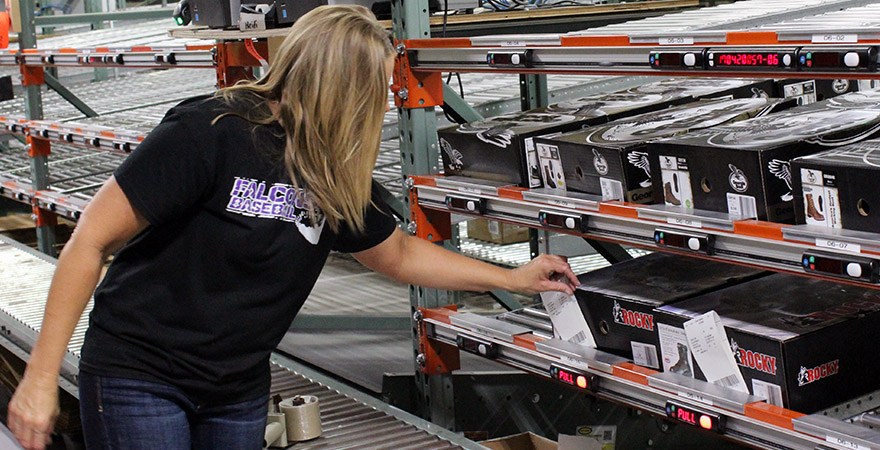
(379, 223)
(170, 171)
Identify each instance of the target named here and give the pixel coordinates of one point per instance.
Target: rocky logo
(753, 360)
(632, 318)
(737, 179)
(600, 163)
(807, 376)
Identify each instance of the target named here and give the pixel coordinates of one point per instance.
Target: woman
(221, 222)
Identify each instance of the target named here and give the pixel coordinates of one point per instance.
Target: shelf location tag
(676, 40)
(835, 38)
(838, 245)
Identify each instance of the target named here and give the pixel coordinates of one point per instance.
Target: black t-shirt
(201, 297)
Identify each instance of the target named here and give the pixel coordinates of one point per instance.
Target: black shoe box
(618, 301)
(838, 188)
(812, 91)
(803, 343)
(744, 168)
(611, 159)
(502, 148)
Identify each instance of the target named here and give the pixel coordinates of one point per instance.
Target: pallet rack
(642, 48)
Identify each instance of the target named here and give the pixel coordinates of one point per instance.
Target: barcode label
(611, 189)
(578, 338)
(772, 393)
(728, 381)
(645, 355)
(607, 435)
(744, 206)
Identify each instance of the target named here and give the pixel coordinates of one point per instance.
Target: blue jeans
(126, 414)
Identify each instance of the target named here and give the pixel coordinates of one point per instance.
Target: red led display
(707, 421)
(762, 59)
(569, 377)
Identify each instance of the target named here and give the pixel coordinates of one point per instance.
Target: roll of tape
(303, 417)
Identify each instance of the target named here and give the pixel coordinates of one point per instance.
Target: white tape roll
(303, 417)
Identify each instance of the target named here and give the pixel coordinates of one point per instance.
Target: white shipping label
(708, 342)
(533, 168)
(251, 22)
(567, 318)
(551, 166)
(771, 393)
(645, 355)
(494, 229)
(611, 189)
(674, 350)
(743, 206)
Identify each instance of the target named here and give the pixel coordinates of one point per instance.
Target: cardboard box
(812, 91)
(522, 441)
(838, 188)
(502, 148)
(743, 169)
(618, 301)
(611, 159)
(799, 342)
(497, 232)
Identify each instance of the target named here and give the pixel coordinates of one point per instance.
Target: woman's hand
(33, 410)
(537, 276)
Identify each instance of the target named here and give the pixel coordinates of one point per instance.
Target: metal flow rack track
(349, 419)
(686, 44)
(714, 235)
(732, 414)
(144, 45)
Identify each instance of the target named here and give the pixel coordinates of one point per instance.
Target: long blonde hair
(329, 80)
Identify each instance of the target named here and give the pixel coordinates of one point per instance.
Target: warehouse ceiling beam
(71, 98)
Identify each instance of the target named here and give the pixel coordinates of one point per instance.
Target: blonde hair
(329, 80)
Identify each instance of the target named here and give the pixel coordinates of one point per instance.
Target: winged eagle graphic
(640, 160)
(782, 170)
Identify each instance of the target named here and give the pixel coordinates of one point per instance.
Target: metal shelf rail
(349, 419)
(746, 419)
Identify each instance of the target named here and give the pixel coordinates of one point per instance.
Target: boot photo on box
(812, 211)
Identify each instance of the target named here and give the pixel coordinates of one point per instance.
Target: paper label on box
(674, 350)
(677, 188)
(668, 162)
(708, 342)
(570, 442)
(611, 189)
(533, 168)
(845, 443)
(772, 393)
(744, 206)
(645, 354)
(494, 228)
(251, 22)
(805, 92)
(551, 166)
(567, 318)
(605, 434)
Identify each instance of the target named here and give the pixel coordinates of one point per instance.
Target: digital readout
(746, 59)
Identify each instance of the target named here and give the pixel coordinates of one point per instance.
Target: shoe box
(618, 301)
(812, 91)
(744, 168)
(837, 188)
(786, 334)
(502, 148)
(611, 159)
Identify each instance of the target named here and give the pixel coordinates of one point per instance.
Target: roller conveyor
(349, 420)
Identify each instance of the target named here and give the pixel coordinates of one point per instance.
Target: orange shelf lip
(595, 41)
(752, 38)
(107, 134)
(757, 228)
(67, 50)
(771, 414)
(511, 192)
(102, 50)
(438, 43)
(617, 208)
(441, 314)
(199, 47)
(632, 372)
(141, 49)
(528, 340)
(424, 180)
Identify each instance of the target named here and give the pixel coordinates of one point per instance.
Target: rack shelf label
(845, 443)
(835, 38)
(838, 245)
(695, 397)
(686, 222)
(676, 40)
